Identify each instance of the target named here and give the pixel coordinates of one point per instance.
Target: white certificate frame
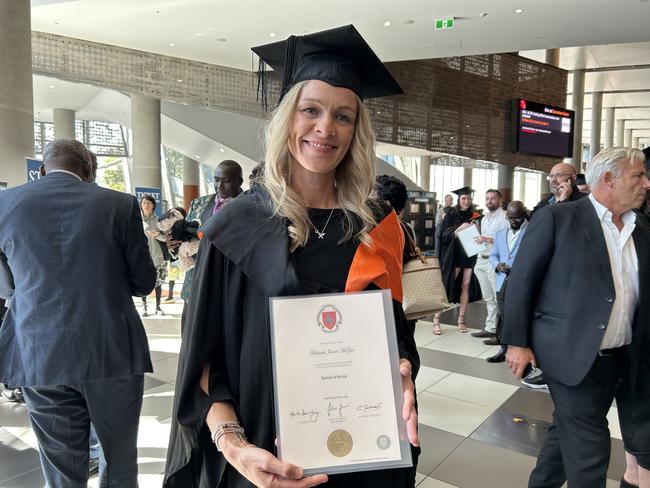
(405, 459)
(466, 238)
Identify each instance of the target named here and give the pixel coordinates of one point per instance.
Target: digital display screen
(544, 130)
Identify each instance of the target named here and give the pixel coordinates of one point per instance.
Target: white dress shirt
(625, 272)
(491, 223)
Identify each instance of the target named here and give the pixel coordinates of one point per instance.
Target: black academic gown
(453, 256)
(244, 259)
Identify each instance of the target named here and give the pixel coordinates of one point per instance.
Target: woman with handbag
(157, 248)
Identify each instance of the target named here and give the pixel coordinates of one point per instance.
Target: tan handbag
(424, 291)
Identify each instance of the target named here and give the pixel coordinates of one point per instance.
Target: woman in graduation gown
(309, 229)
(457, 268)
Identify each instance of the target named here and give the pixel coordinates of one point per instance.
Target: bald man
(562, 180)
(72, 338)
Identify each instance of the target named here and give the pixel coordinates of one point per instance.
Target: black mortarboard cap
(466, 190)
(340, 57)
(580, 179)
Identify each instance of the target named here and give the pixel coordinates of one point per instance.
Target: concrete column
(635, 142)
(578, 106)
(553, 57)
(506, 181)
(64, 123)
(544, 186)
(522, 186)
(610, 113)
(596, 118)
(191, 179)
(425, 172)
(628, 138)
(467, 177)
(620, 132)
(16, 92)
(145, 122)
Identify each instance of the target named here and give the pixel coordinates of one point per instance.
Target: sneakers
(14, 395)
(534, 379)
(169, 300)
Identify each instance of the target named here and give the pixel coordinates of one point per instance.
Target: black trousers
(577, 446)
(61, 417)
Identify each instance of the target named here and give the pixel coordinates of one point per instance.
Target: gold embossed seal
(339, 443)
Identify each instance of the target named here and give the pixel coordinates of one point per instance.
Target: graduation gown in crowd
(453, 256)
(244, 259)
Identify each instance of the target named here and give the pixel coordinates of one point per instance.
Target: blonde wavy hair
(355, 175)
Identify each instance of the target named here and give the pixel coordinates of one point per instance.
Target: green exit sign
(444, 23)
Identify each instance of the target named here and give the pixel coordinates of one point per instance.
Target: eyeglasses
(515, 219)
(553, 176)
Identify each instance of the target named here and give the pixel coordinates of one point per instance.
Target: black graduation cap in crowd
(580, 179)
(466, 190)
(340, 57)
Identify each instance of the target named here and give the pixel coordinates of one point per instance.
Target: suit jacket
(576, 194)
(77, 253)
(501, 253)
(563, 292)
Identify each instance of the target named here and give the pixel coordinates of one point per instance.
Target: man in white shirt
(579, 307)
(494, 219)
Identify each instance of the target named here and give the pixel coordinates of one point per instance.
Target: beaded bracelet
(227, 428)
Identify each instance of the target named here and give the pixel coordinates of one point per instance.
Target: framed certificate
(466, 238)
(338, 390)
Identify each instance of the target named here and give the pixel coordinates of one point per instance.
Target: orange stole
(381, 261)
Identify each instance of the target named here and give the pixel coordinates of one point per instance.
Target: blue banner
(33, 169)
(141, 191)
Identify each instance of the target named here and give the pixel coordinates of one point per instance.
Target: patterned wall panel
(458, 105)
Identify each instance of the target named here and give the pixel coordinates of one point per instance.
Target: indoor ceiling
(607, 33)
(223, 31)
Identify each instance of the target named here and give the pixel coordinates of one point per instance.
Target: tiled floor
(478, 426)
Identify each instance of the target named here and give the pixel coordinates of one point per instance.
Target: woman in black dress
(458, 269)
(310, 228)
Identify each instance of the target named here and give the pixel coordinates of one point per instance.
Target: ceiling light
(180, 81)
(483, 14)
(519, 11)
(222, 39)
(197, 156)
(272, 34)
(200, 34)
(409, 21)
(388, 23)
(221, 149)
(171, 44)
(52, 86)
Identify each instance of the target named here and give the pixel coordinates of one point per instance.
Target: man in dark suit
(562, 181)
(228, 179)
(71, 337)
(580, 311)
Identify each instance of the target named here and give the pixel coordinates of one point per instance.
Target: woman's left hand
(408, 412)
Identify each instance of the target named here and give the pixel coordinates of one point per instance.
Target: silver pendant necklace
(321, 233)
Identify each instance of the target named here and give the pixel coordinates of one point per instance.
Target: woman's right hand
(263, 469)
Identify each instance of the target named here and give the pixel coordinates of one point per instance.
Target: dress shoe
(159, 311)
(497, 358)
(625, 484)
(93, 466)
(491, 342)
(169, 300)
(483, 334)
